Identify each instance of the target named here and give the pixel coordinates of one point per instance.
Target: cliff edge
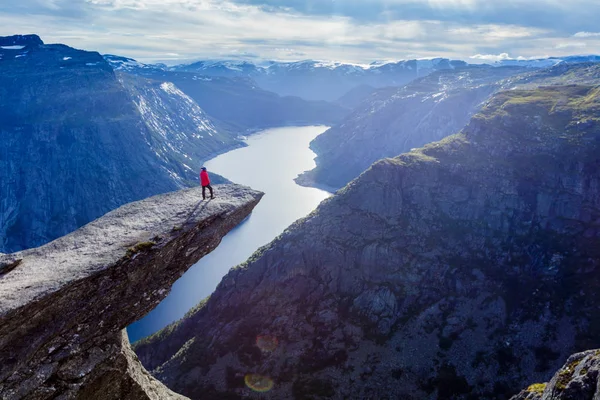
(63, 306)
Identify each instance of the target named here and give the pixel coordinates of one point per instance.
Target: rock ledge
(63, 305)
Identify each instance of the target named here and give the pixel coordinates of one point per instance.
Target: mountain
(354, 97)
(230, 69)
(394, 120)
(77, 140)
(314, 80)
(183, 135)
(237, 102)
(547, 62)
(126, 64)
(467, 269)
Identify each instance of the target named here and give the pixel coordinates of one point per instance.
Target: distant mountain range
(315, 80)
(237, 101)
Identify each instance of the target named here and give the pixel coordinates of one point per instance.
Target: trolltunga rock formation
(63, 306)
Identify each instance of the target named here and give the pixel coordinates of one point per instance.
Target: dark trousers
(204, 192)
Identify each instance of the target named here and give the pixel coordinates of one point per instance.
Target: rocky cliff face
(577, 380)
(466, 269)
(63, 306)
(182, 135)
(395, 120)
(75, 144)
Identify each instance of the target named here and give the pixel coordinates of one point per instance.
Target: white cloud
(571, 45)
(586, 34)
(193, 29)
(492, 57)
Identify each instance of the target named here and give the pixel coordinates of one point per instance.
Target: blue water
(270, 163)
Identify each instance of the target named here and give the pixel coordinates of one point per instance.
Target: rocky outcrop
(576, 380)
(466, 269)
(64, 305)
(75, 144)
(182, 135)
(21, 40)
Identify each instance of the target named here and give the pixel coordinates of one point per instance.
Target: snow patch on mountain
(119, 63)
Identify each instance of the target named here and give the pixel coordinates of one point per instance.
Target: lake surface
(270, 163)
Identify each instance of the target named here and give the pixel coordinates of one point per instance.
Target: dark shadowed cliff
(464, 270)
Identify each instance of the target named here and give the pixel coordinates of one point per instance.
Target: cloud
(491, 57)
(571, 45)
(586, 34)
(345, 30)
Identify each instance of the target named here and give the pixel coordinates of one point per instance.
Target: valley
(416, 229)
(270, 163)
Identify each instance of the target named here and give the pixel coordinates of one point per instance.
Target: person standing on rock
(205, 182)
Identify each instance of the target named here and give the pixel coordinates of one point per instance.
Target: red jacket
(204, 179)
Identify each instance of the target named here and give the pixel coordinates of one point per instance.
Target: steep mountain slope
(182, 135)
(237, 102)
(354, 97)
(466, 269)
(74, 145)
(394, 121)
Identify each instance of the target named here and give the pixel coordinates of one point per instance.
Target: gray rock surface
(63, 306)
(578, 379)
(466, 269)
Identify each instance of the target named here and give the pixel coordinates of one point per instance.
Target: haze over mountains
(316, 80)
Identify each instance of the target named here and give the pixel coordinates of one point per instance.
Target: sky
(359, 31)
